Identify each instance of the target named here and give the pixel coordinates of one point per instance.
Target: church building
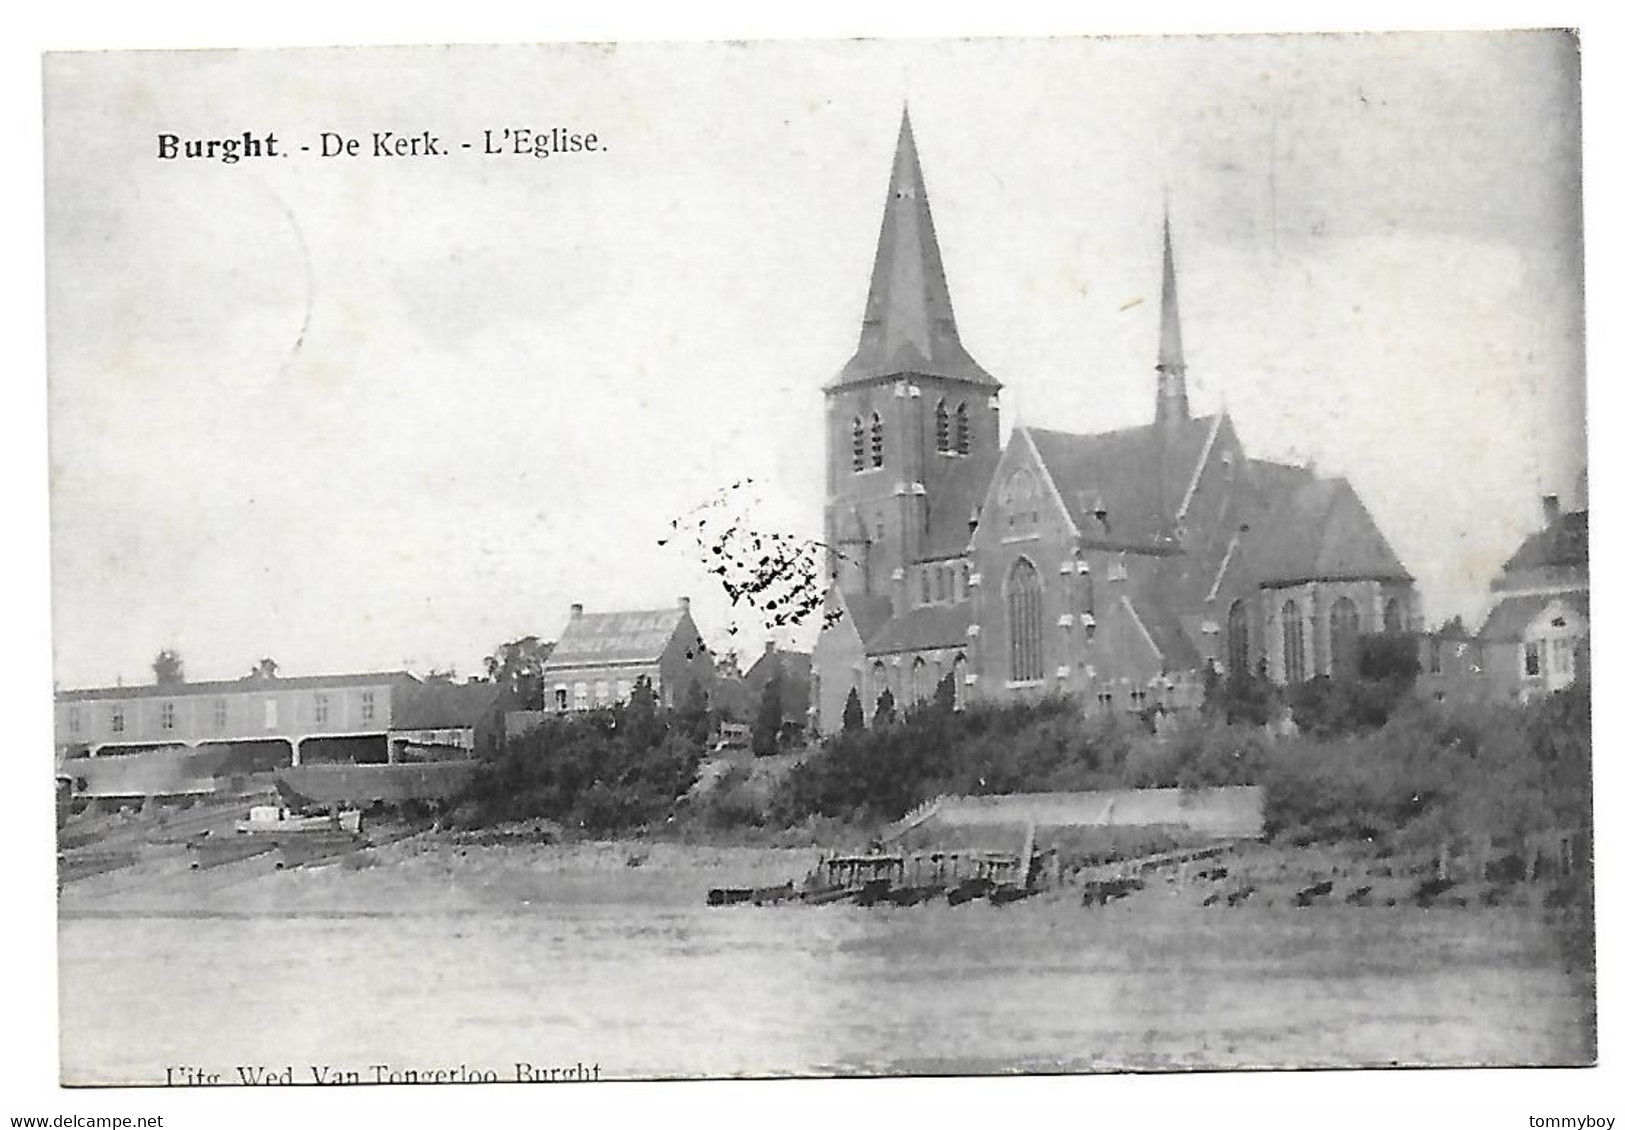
(1117, 567)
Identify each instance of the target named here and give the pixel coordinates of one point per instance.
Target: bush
(605, 771)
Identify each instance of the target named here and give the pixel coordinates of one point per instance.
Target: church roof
(1170, 348)
(953, 501)
(1121, 473)
(1166, 632)
(928, 626)
(868, 613)
(1316, 529)
(594, 638)
(908, 321)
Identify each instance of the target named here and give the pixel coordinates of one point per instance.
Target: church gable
(1121, 489)
(1022, 502)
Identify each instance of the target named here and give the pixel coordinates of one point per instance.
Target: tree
(946, 696)
(852, 713)
(516, 667)
(885, 709)
(264, 669)
(764, 731)
(694, 715)
(168, 669)
(1237, 698)
(1389, 657)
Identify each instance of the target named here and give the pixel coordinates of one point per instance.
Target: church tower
(912, 416)
(1173, 405)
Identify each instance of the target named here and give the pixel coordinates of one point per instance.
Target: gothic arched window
(962, 430)
(1025, 597)
(877, 682)
(1236, 650)
(944, 439)
(1393, 622)
(961, 669)
(1292, 641)
(916, 687)
(1345, 638)
(877, 447)
(859, 448)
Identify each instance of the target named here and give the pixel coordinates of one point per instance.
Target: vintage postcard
(646, 561)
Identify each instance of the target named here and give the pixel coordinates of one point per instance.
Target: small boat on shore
(279, 819)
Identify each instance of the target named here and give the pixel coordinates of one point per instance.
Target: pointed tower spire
(908, 321)
(1173, 406)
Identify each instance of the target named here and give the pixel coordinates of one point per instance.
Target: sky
(362, 413)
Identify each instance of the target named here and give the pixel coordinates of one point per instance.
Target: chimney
(575, 611)
(682, 602)
(1551, 509)
(769, 648)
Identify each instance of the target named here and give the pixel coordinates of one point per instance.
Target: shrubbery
(605, 771)
(1437, 773)
(1422, 773)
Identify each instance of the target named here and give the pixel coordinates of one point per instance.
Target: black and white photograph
(803, 558)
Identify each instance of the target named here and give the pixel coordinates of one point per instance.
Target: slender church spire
(908, 321)
(1173, 406)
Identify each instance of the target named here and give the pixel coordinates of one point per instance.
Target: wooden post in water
(1024, 861)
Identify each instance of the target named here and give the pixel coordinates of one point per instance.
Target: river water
(643, 991)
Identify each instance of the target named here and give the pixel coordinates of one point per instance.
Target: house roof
(245, 685)
(1123, 473)
(908, 321)
(928, 626)
(788, 664)
(429, 705)
(1511, 617)
(598, 638)
(1563, 542)
(794, 669)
